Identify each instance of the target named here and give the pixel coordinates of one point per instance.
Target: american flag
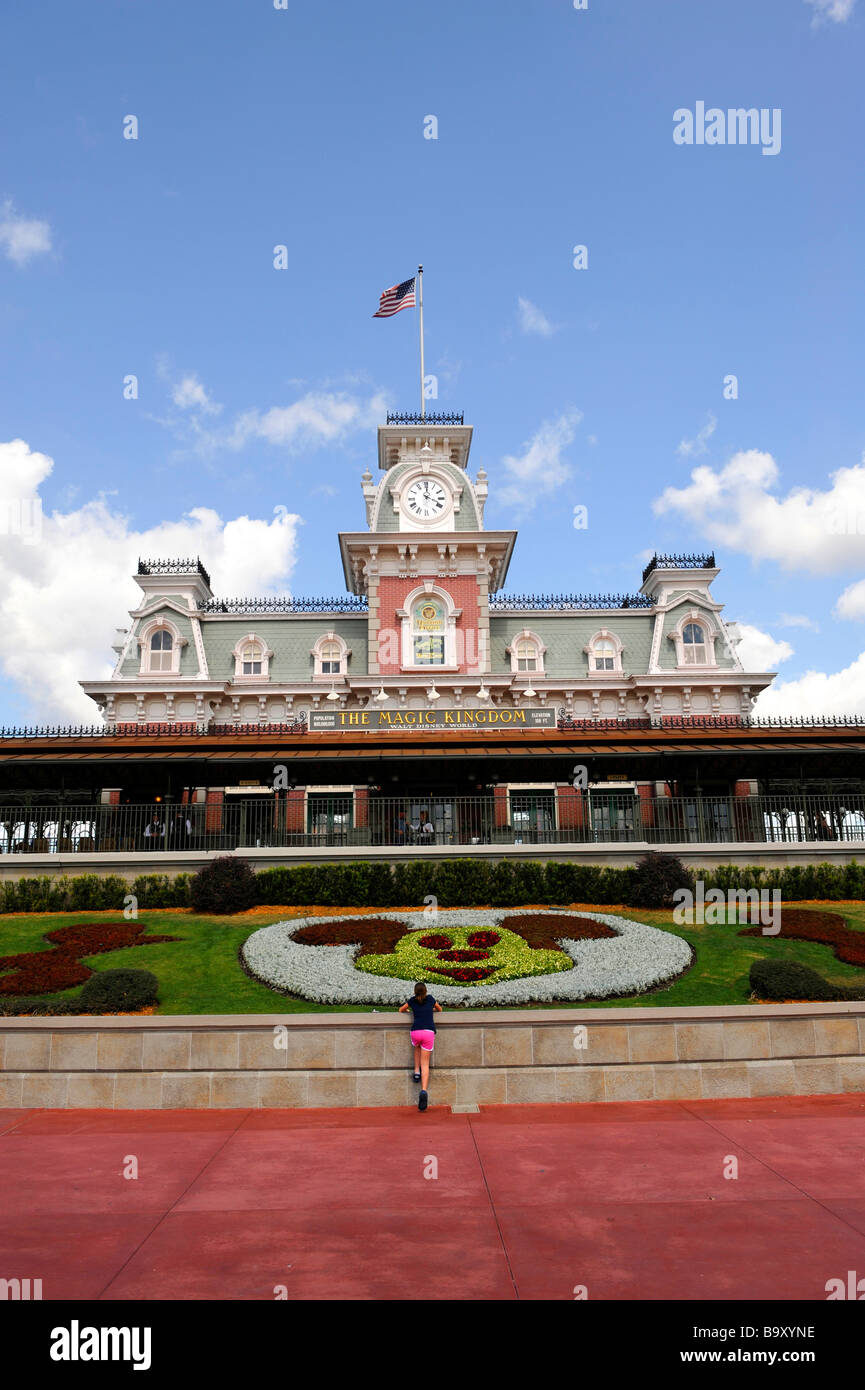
(396, 298)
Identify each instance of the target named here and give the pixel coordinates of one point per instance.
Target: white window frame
(604, 635)
(144, 639)
(425, 591)
(266, 655)
(678, 636)
(344, 654)
(540, 651)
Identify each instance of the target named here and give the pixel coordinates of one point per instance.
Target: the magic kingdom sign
(351, 721)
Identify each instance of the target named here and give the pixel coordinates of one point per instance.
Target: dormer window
(604, 654)
(160, 644)
(694, 644)
(526, 651)
(161, 650)
(694, 637)
(330, 655)
(252, 659)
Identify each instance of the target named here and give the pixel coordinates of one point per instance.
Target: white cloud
(21, 238)
(190, 394)
(540, 468)
(798, 620)
(734, 505)
(838, 11)
(66, 586)
(758, 651)
(691, 448)
(818, 692)
(534, 320)
(317, 418)
(851, 604)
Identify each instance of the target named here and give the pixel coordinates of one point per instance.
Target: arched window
(251, 659)
(526, 651)
(330, 655)
(428, 632)
(694, 644)
(161, 650)
(604, 653)
(160, 645)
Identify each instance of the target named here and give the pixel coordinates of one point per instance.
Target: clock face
(426, 499)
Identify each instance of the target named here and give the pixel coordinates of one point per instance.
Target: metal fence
(552, 817)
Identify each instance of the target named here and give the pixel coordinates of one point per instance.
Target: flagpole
(420, 308)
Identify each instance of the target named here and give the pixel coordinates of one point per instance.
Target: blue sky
(259, 389)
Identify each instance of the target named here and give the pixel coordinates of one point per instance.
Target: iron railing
(187, 566)
(411, 417)
(563, 603)
(679, 562)
(422, 819)
(344, 603)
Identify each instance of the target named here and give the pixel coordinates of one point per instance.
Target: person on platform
(427, 829)
(400, 829)
(153, 832)
(423, 1036)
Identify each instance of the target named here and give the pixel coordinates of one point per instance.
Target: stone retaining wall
(485, 1057)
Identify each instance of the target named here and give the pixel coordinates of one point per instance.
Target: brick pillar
(645, 792)
(500, 807)
(213, 813)
(745, 812)
(110, 796)
(571, 807)
(295, 805)
(361, 807)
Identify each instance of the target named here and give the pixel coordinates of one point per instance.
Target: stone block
(91, 1090)
(772, 1079)
(553, 1045)
(629, 1083)
(283, 1090)
(73, 1051)
(460, 1047)
(11, 1086)
(309, 1049)
(838, 1037)
(44, 1088)
(724, 1080)
(256, 1050)
(817, 1077)
(792, 1037)
(851, 1071)
(168, 1051)
(652, 1042)
(479, 1087)
(27, 1052)
(137, 1090)
(606, 1043)
(536, 1086)
(218, 1051)
(575, 1084)
(386, 1088)
(356, 1048)
(508, 1047)
(745, 1039)
(699, 1042)
(681, 1081)
(189, 1091)
(234, 1090)
(119, 1051)
(332, 1088)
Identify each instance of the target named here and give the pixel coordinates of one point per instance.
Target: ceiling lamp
(381, 695)
(529, 692)
(332, 693)
(483, 693)
(432, 693)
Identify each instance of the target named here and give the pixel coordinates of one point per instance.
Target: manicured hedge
(789, 980)
(453, 882)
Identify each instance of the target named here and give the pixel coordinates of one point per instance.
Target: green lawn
(201, 974)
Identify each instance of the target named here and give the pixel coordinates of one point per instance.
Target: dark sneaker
(416, 1076)
(422, 1101)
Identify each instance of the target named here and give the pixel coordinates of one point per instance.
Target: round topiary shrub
(789, 979)
(223, 886)
(656, 878)
(119, 991)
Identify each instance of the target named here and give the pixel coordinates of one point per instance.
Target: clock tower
(426, 563)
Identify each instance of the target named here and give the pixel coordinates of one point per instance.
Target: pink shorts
(423, 1037)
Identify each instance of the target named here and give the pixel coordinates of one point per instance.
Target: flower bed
(829, 928)
(609, 957)
(47, 972)
(509, 957)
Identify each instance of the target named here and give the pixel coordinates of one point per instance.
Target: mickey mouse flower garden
(471, 957)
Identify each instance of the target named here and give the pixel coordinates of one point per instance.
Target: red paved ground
(530, 1201)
